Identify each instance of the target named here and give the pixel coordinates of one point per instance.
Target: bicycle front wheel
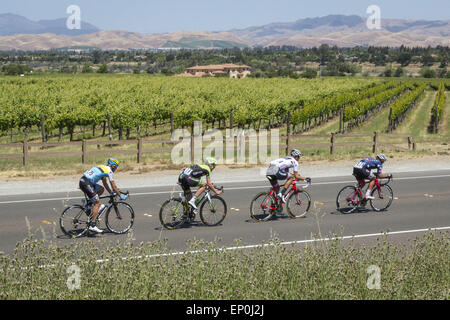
(383, 198)
(74, 222)
(347, 200)
(298, 204)
(120, 218)
(262, 207)
(214, 212)
(172, 214)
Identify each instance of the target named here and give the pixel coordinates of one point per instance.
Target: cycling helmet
(296, 153)
(381, 157)
(113, 162)
(211, 161)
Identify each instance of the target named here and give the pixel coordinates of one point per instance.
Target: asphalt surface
(421, 201)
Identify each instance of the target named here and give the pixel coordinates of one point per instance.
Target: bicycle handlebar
(113, 195)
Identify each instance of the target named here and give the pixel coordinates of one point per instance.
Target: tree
(404, 58)
(309, 73)
(103, 69)
(399, 72)
(428, 73)
(87, 69)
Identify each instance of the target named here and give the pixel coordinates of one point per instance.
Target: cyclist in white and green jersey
(191, 177)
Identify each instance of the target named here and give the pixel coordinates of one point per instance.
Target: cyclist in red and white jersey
(279, 170)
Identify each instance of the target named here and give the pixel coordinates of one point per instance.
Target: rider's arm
(298, 176)
(113, 185)
(211, 186)
(105, 184)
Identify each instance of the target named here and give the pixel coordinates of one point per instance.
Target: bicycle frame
(361, 185)
(112, 201)
(273, 193)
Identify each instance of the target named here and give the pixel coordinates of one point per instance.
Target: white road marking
(291, 242)
(234, 188)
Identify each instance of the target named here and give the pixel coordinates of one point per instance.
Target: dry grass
(417, 270)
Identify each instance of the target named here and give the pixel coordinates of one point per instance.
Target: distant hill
(13, 24)
(20, 33)
(346, 31)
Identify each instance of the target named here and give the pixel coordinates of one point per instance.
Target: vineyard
(105, 107)
(131, 103)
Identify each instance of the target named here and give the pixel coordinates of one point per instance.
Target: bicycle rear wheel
(262, 207)
(383, 198)
(172, 214)
(347, 200)
(120, 218)
(74, 221)
(214, 212)
(298, 204)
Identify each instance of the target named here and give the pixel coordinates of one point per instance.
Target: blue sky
(150, 16)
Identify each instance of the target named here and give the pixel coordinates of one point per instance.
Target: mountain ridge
(339, 30)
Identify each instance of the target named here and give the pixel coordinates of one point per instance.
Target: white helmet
(296, 153)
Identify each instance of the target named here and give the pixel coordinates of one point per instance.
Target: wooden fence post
(108, 117)
(139, 154)
(390, 120)
(84, 151)
(375, 142)
(436, 120)
(288, 131)
(25, 152)
(192, 143)
(231, 120)
(171, 123)
(332, 143)
(43, 127)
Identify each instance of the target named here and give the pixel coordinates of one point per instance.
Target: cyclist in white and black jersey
(279, 170)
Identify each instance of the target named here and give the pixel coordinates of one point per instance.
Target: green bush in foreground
(325, 270)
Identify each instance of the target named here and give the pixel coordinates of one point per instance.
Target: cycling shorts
(274, 174)
(89, 189)
(188, 182)
(362, 173)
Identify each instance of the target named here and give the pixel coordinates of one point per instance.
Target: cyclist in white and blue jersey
(363, 170)
(89, 185)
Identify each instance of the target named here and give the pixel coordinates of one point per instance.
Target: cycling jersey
(191, 177)
(279, 169)
(96, 174)
(284, 164)
(197, 171)
(369, 164)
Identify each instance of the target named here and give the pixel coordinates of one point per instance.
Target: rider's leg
(95, 211)
(370, 188)
(202, 187)
(287, 184)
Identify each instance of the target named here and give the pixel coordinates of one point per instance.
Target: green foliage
(14, 69)
(334, 269)
(103, 69)
(309, 73)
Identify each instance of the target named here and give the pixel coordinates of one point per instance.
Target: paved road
(422, 201)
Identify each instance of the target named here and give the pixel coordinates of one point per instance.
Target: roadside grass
(417, 270)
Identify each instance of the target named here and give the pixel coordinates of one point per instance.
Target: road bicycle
(118, 217)
(176, 211)
(352, 198)
(266, 205)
